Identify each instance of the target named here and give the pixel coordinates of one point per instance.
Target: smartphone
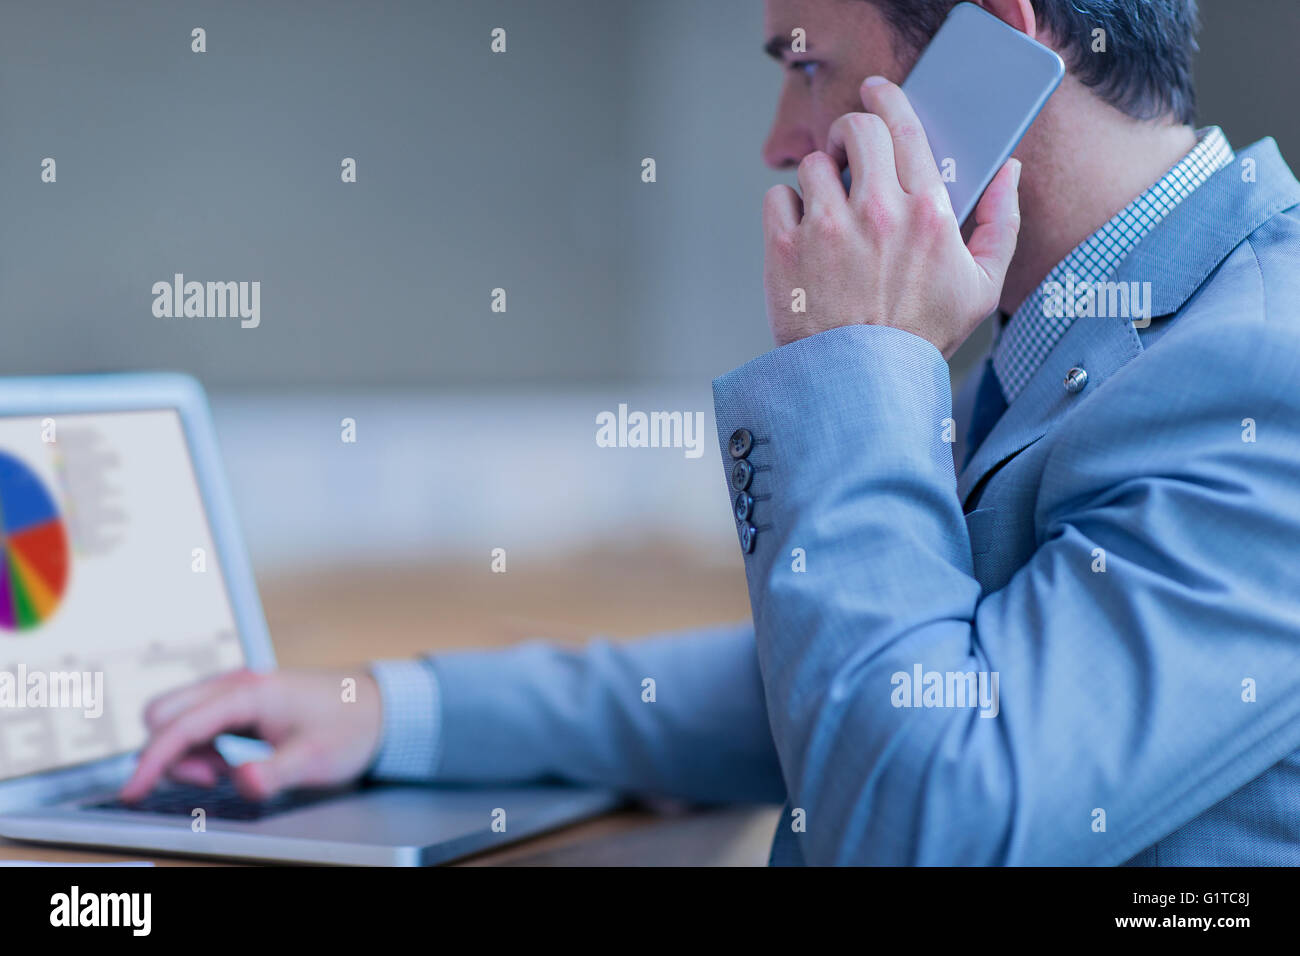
(976, 89)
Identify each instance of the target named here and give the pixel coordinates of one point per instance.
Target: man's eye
(807, 67)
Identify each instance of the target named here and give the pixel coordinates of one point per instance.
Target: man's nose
(786, 146)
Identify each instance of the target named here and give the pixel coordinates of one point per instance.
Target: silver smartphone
(977, 88)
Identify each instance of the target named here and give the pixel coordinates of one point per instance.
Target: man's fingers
(197, 773)
(203, 766)
(997, 219)
(782, 211)
(918, 173)
(819, 181)
(298, 763)
(234, 708)
(164, 709)
(863, 140)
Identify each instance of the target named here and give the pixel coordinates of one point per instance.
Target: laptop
(122, 576)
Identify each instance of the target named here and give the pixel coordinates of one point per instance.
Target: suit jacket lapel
(1176, 258)
(1180, 253)
(1099, 345)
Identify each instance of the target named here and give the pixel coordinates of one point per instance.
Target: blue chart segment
(33, 548)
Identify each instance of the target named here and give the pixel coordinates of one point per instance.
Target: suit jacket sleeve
(537, 711)
(1121, 691)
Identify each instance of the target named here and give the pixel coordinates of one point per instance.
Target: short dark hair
(1146, 70)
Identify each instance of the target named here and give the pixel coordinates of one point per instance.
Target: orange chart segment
(44, 550)
(43, 601)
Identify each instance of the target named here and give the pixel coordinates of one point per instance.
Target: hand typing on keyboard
(319, 738)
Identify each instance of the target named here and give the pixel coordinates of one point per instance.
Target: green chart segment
(33, 548)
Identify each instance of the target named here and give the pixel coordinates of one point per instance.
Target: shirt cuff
(410, 741)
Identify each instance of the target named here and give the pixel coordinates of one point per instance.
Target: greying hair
(1145, 71)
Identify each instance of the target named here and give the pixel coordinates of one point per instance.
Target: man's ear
(1017, 13)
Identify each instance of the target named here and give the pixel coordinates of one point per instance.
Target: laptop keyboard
(221, 802)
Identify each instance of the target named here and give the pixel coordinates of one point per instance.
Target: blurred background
(475, 171)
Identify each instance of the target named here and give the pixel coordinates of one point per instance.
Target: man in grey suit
(1075, 640)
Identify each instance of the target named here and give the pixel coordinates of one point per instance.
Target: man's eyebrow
(777, 47)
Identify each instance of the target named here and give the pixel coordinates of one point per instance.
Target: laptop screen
(111, 591)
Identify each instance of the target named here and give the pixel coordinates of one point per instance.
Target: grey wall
(1248, 73)
(475, 171)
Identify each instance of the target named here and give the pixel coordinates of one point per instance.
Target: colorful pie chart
(33, 548)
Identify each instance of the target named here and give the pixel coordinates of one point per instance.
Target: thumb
(997, 228)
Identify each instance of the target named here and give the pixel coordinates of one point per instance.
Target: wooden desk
(347, 616)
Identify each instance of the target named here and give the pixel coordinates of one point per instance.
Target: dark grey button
(742, 440)
(1075, 380)
(744, 506)
(747, 535)
(742, 472)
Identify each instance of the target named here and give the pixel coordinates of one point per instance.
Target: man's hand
(318, 738)
(891, 251)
